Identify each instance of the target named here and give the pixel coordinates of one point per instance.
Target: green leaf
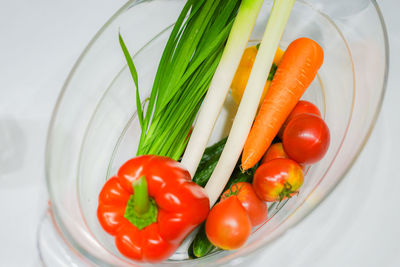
(186, 68)
(134, 74)
(184, 52)
(165, 58)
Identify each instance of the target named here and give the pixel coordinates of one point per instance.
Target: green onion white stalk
(218, 90)
(248, 106)
(220, 84)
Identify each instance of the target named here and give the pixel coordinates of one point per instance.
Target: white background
(357, 225)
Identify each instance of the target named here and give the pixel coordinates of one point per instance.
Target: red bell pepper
(150, 207)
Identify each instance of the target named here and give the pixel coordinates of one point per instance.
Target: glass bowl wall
(94, 128)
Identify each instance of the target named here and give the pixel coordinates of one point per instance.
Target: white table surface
(39, 43)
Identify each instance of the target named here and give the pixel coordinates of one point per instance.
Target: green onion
(187, 65)
(220, 84)
(134, 75)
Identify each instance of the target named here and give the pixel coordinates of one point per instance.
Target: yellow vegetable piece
(243, 72)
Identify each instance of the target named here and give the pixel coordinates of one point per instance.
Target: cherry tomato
(277, 179)
(228, 226)
(275, 151)
(256, 208)
(301, 107)
(306, 138)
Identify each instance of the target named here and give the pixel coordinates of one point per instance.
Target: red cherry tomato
(228, 226)
(275, 151)
(306, 138)
(256, 208)
(277, 179)
(301, 107)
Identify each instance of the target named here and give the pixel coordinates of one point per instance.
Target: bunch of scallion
(186, 68)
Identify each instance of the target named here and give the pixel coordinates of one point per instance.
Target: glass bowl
(94, 128)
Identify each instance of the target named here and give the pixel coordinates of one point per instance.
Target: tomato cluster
(305, 140)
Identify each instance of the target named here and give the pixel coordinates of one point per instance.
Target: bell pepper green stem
(141, 195)
(141, 210)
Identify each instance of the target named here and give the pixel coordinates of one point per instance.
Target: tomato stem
(233, 190)
(286, 192)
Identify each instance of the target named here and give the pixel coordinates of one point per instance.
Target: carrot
(296, 71)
